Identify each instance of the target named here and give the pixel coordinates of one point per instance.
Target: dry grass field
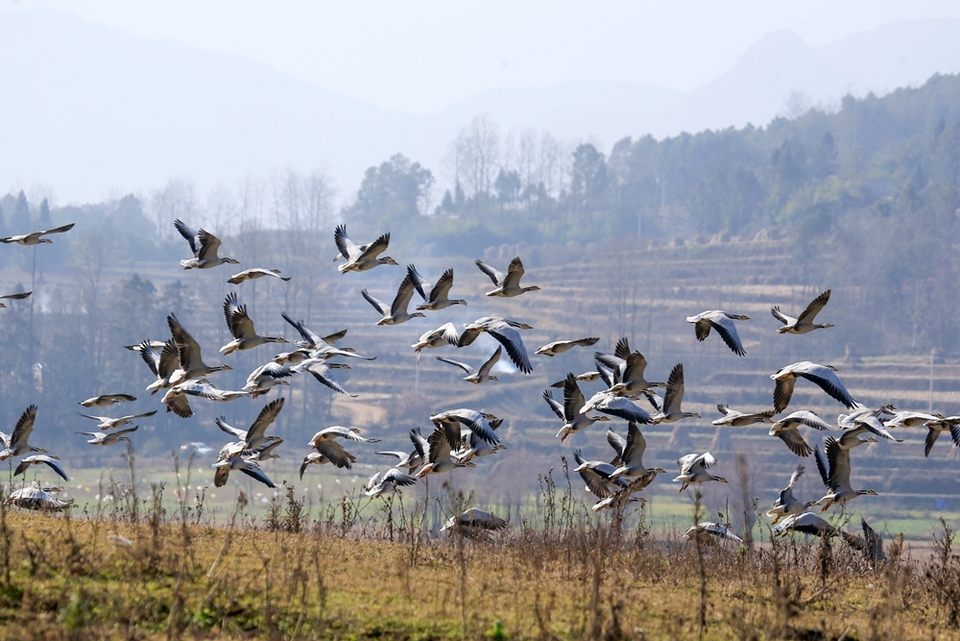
(140, 570)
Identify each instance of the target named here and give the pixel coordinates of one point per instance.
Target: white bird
(266, 376)
(693, 469)
(597, 476)
(397, 312)
(236, 461)
(320, 370)
(16, 444)
(906, 418)
(935, 428)
(321, 348)
(786, 504)
(316, 458)
(204, 246)
(190, 355)
(807, 523)
(101, 438)
(708, 531)
(254, 273)
(241, 327)
(33, 498)
(734, 418)
(482, 375)
(474, 523)
(255, 435)
(446, 334)
(325, 443)
(509, 285)
(19, 296)
(472, 420)
(621, 407)
(339, 431)
(786, 430)
(409, 460)
(822, 375)
(670, 411)
(360, 257)
(835, 472)
(176, 400)
(559, 347)
(439, 294)
(623, 497)
(164, 364)
(804, 323)
(436, 449)
(863, 419)
(34, 238)
(505, 331)
(587, 377)
(386, 483)
(722, 322)
(627, 369)
(630, 453)
(107, 423)
(107, 399)
(41, 459)
(265, 451)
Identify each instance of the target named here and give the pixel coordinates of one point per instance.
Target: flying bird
(509, 285)
(360, 258)
(52, 462)
(107, 423)
(693, 469)
(438, 298)
(804, 323)
(204, 246)
(34, 238)
(786, 503)
(103, 439)
(722, 322)
(397, 312)
(19, 296)
(482, 375)
(254, 273)
(822, 375)
(786, 430)
(835, 472)
(734, 418)
(107, 399)
(241, 327)
(559, 347)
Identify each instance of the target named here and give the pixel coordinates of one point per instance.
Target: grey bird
(104, 439)
(204, 246)
(786, 504)
(52, 462)
(34, 238)
(722, 322)
(482, 375)
(509, 285)
(241, 327)
(438, 298)
(822, 375)
(804, 323)
(835, 472)
(360, 258)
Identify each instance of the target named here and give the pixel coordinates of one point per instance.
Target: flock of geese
(460, 437)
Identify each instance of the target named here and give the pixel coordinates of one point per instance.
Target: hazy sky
(420, 56)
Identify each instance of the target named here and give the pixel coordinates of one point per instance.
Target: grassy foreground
(143, 573)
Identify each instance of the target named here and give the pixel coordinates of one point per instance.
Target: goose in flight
(255, 435)
(786, 430)
(708, 532)
(34, 238)
(176, 400)
(19, 296)
(559, 347)
(338, 431)
(360, 258)
(16, 444)
(671, 412)
(409, 460)
(320, 370)
(474, 523)
(627, 369)
(822, 375)
(102, 438)
(325, 443)
(241, 327)
(472, 446)
(316, 458)
(473, 420)
(266, 376)
(597, 476)
(446, 334)
(606, 402)
(621, 498)
(387, 483)
(33, 498)
(906, 418)
(164, 364)
(505, 332)
(191, 356)
(509, 285)
(41, 459)
(436, 449)
(722, 322)
(835, 472)
(321, 346)
(786, 503)
(935, 428)
(107, 399)
(254, 273)
(863, 419)
(871, 543)
(733, 418)
(807, 523)
(236, 461)
(630, 453)
(804, 324)
(107, 423)
(693, 469)
(204, 246)
(265, 451)
(397, 312)
(438, 297)
(587, 377)
(482, 375)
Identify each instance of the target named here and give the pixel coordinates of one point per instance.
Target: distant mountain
(89, 109)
